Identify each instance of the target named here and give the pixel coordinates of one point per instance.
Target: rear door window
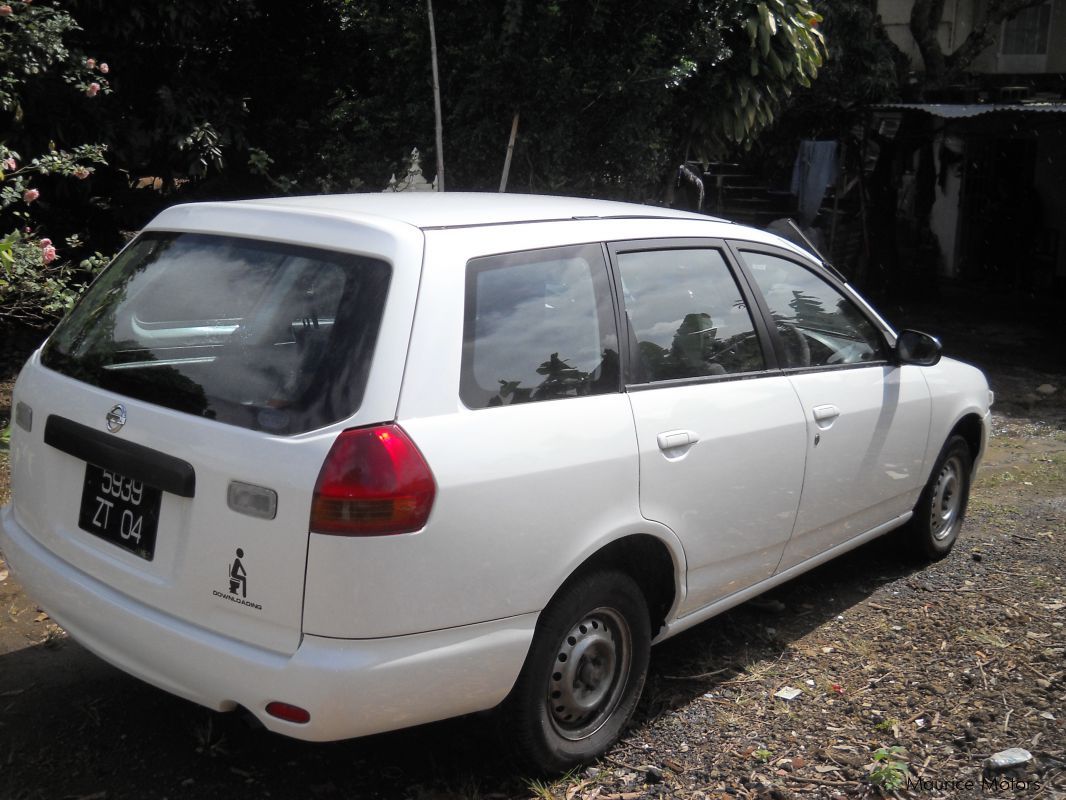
(266, 336)
(539, 325)
(687, 315)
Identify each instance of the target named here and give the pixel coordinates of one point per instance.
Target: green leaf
(775, 64)
(751, 24)
(767, 18)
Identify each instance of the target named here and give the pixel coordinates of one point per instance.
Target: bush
(37, 284)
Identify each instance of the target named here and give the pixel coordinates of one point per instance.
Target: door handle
(671, 440)
(825, 416)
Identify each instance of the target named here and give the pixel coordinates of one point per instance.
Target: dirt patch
(906, 675)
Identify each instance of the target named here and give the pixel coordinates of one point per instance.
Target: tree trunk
(925, 25)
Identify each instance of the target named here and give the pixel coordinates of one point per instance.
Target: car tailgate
(235, 574)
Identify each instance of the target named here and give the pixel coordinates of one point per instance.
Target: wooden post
(436, 98)
(510, 151)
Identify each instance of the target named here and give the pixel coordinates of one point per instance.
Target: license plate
(120, 510)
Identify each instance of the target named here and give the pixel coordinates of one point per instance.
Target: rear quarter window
(538, 325)
(266, 336)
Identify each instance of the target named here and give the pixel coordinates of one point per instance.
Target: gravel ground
(907, 676)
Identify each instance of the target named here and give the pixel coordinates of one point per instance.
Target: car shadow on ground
(115, 734)
(719, 652)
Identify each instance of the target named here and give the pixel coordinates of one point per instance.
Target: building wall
(1054, 60)
(959, 18)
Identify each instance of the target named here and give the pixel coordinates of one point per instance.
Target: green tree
(611, 95)
(250, 97)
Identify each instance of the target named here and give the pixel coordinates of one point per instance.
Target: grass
(567, 785)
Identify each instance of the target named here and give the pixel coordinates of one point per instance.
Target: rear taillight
(374, 483)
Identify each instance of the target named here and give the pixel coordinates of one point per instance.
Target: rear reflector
(374, 482)
(288, 712)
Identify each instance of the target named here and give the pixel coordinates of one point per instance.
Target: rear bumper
(351, 687)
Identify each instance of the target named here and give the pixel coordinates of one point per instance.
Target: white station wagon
(356, 463)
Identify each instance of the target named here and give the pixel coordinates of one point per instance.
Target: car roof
(429, 210)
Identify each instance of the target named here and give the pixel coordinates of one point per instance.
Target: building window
(1026, 34)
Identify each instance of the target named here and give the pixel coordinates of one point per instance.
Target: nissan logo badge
(116, 418)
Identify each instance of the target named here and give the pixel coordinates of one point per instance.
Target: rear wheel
(583, 674)
(941, 508)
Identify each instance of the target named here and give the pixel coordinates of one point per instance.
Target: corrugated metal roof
(963, 110)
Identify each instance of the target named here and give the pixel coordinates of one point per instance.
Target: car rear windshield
(266, 336)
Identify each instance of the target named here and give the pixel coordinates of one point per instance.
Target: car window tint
(818, 325)
(265, 336)
(687, 315)
(538, 326)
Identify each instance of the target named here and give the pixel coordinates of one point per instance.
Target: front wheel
(941, 508)
(584, 672)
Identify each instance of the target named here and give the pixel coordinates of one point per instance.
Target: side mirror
(915, 347)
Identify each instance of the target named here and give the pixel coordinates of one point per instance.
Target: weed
(207, 741)
(889, 769)
(762, 754)
(551, 790)
(887, 725)
(541, 790)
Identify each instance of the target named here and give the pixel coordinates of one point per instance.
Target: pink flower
(104, 68)
(44, 243)
(90, 63)
(30, 195)
(10, 164)
(93, 90)
(6, 10)
(81, 173)
(48, 254)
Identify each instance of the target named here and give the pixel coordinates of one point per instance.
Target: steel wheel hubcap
(589, 674)
(947, 499)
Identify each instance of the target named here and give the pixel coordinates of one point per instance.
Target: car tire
(583, 674)
(941, 508)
